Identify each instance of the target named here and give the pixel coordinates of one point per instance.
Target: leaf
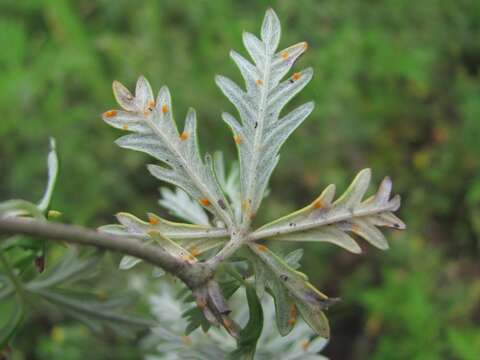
(92, 310)
(293, 258)
(128, 262)
(331, 221)
(230, 182)
(52, 164)
(291, 292)
(182, 206)
(195, 239)
(70, 268)
(249, 335)
(12, 208)
(155, 133)
(13, 321)
(261, 133)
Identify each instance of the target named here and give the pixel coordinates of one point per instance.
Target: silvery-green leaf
(271, 31)
(69, 269)
(229, 182)
(128, 262)
(291, 287)
(331, 234)
(316, 318)
(184, 240)
(182, 206)
(52, 164)
(324, 220)
(172, 230)
(364, 229)
(293, 258)
(260, 133)
(91, 309)
(158, 272)
(13, 208)
(155, 132)
(355, 192)
(14, 318)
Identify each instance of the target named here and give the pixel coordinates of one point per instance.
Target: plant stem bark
(192, 274)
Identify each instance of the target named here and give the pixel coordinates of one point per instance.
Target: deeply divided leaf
(333, 221)
(261, 132)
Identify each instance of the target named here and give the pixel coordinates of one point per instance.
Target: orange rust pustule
(305, 345)
(151, 105)
(293, 315)
(194, 251)
(152, 220)
(262, 248)
(355, 228)
(296, 76)
(125, 127)
(188, 258)
(285, 55)
(205, 202)
(259, 82)
(110, 113)
(318, 204)
(184, 136)
(238, 140)
(164, 108)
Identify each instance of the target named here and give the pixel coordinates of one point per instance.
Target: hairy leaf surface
(261, 132)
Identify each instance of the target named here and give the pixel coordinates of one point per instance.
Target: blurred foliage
(396, 88)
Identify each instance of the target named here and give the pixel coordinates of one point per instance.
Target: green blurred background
(396, 87)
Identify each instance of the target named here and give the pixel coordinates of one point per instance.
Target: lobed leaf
(291, 292)
(261, 133)
(331, 221)
(155, 132)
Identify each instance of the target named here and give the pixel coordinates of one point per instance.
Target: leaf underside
(262, 132)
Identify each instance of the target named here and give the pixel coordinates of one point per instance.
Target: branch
(192, 274)
(197, 276)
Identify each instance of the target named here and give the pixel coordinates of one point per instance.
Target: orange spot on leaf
(205, 202)
(296, 76)
(318, 204)
(238, 140)
(151, 105)
(184, 136)
(188, 258)
(285, 55)
(259, 82)
(164, 108)
(194, 251)
(262, 248)
(125, 127)
(152, 220)
(305, 345)
(110, 113)
(293, 315)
